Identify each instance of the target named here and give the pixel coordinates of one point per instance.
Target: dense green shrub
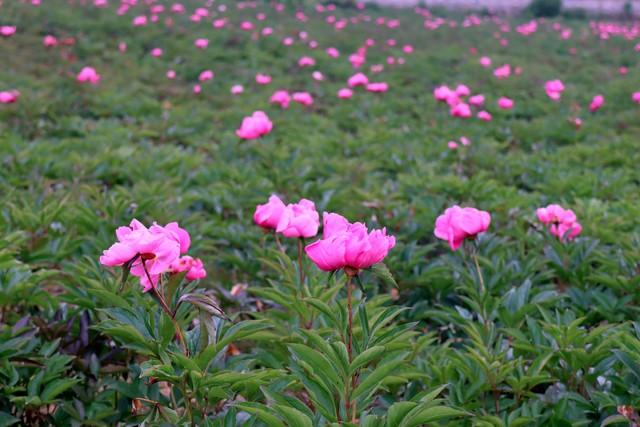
(545, 8)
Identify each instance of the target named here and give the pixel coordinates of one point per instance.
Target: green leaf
(56, 387)
(381, 271)
(293, 417)
(366, 357)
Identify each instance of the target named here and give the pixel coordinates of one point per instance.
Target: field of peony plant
(299, 214)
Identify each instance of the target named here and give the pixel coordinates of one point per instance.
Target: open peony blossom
(378, 87)
(505, 103)
(88, 75)
(561, 222)
(150, 252)
(554, 89)
(458, 224)
(303, 98)
(345, 93)
(255, 126)
(268, 215)
(9, 96)
(346, 245)
(596, 103)
(358, 79)
(299, 220)
(281, 97)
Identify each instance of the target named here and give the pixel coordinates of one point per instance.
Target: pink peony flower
(476, 100)
(554, 89)
(442, 93)
(49, 41)
(484, 116)
(378, 87)
(561, 222)
(255, 126)
(7, 30)
(635, 97)
(596, 103)
(303, 98)
(345, 93)
(206, 75)
(156, 52)
(263, 79)
(485, 61)
(281, 97)
(201, 43)
(346, 245)
(462, 90)
(306, 61)
(461, 110)
(88, 75)
(458, 224)
(171, 74)
(299, 220)
(358, 79)
(502, 72)
(237, 89)
(9, 96)
(268, 215)
(505, 103)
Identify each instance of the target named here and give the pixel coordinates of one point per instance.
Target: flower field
(221, 213)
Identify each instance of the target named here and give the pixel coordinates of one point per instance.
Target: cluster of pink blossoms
(293, 220)
(151, 252)
(255, 126)
(561, 222)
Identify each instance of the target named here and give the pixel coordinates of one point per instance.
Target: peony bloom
(505, 103)
(281, 97)
(346, 245)
(156, 52)
(345, 93)
(561, 222)
(255, 126)
(9, 96)
(596, 103)
(452, 145)
(378, 87)
(299, 220)
(458, 224)
(88, 75)
(140, 21)
(476, 100)
(462, 90)
(49, 41)
(306, 61)
(502, 72)
(317, 76)
(237, 89)
(263, 79)
(333, 52)
(635, 97)
(442, 93)
(201, 43)
(303, 98)
(206, 75)
(485, 61)
(171, 74)
(7, 30)
(358, 79)
(268, 215)
(484, 116)
(461, 110)
(554, 89)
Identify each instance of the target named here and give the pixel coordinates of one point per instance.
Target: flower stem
(300, 267)
(167, 310)
(475, 260)
(350, 407)
(280, 247)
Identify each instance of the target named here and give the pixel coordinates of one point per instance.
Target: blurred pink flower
(255, 126)
(458, 224)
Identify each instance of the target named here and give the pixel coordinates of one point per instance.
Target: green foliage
(545, 8)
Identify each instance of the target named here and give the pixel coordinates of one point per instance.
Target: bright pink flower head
(255, 126)
(7, 30)
(333, 52)
(174, 232)
(197, 89)
(263, 79)
(237, 89)
(281, 97)
(247, 26)
(505, 103)
(458, 224)
(140, 21)
(596, 103)
(299, 220)
(206, 75)
(268, 215)
(484, 116)
(156, 52)
(461, 110)
(554, 89)
(485, 61)
(635, 97)
(378, 87)
(502, 72)
(561, 222)
(303, 98)
(201, 43)
(345, 93)
(306, 61)
(358, 79)
(348, 245)
(9, 96)
(442, 93)
(462, 90)
(49, 41)
(171, 74)
(407, 48)
(452, 145)
(476, 100)
(197, 271)
(88, 75)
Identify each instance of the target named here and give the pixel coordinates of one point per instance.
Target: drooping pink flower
(505, 103)
(358, 79)
(88, 75)
(281, 97)
(554, 89)
(299, 220)
(596, 103)
(263, 79)
(378, 87)
(268, 215)
(346, 245)
(317, 76)
(345, 93)
(303, 98)
(255, 126)
(458, 224)
(561, 222)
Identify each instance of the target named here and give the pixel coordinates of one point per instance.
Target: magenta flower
(263, 79)
(281, 97)
(378, 87)
(255, 126)
(345, 93)
(268, 215)
(358, 79)
(303, 98)
(596, 103)
(505, 103)
(9, 96)
(206, 75)
(299, 220)
(554, 89)
(560, 222)
(458, 224)
(88, 75)
(346, 245)
(201, 43)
